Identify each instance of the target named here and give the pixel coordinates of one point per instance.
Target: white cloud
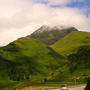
(24, 17)
(10, 7)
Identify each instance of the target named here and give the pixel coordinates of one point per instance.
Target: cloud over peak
(57, 2)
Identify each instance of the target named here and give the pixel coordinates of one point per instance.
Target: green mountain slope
(77, 67)
(26, 57)
(76, 48)
(50, 35)
(70, 43)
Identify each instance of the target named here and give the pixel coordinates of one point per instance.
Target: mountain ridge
(49, 35)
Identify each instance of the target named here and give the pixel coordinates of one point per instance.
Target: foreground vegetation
(88, 84)
(39, 85)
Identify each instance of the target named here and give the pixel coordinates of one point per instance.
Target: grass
(70, 43)
(26, 58)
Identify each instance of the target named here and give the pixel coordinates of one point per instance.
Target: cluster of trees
(23, 69)
(20, 70)
(80, 58)
(18, 73)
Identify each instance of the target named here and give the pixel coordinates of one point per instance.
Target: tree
(88, 84)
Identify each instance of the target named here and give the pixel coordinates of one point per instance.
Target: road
(73, 88)
(77, 88)
(80, 87)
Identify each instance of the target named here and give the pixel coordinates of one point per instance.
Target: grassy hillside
(27, 59)
(77, 66)
(70, 43)
(76, 48)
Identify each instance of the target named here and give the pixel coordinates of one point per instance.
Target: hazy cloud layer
(21, 17)
(62, 2)
(57, 2)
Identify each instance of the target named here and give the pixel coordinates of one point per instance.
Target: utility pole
(75, 80)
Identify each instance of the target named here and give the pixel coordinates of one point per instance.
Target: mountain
(50, 35)
(70, 43)
(76, 48)
(26, 58)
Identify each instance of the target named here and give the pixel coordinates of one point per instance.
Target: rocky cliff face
(49, 35)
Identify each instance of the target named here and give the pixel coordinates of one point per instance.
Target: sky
(19, 18)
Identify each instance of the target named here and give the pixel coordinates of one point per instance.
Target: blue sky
(73, 4)
(85, 4)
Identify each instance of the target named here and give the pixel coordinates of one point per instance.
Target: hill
(27, 59)
(76, 48)
(70, 43)
(77, 66)
(49, 35)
